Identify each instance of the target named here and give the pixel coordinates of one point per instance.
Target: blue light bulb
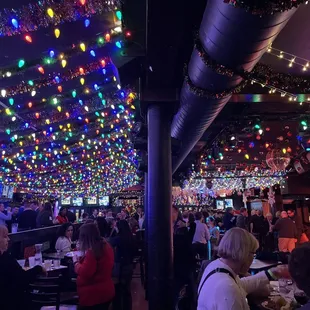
(14, 22)
(96, 87)
(57, 79)
(92, 53)
(104, 71)
(118, 44)
(87, 22)
(52, 53)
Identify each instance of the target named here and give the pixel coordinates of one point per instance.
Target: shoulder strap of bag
(217, 270)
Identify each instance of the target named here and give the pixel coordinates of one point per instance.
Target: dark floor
(138, 295)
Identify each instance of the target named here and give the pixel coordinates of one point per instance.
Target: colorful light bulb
(37, 115)
(59, 108)
(107, 37)
(28, 38)
(52, 53)
(83, 2)
(30, 104)
(81, 70)
(14, 22)
(50, 12)
(103, 63)
(87, 23)
(21, 63)
(118, 15)
(64, 63)
(59, 88)
(83, 47)
(41, 69)
(30, 82)
(3, 92)
(92, 53)
(11, 101)
(73, 93)
(57, 33)
(82, 81)
(118, 44)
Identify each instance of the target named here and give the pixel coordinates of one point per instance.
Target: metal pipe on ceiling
(234, 38)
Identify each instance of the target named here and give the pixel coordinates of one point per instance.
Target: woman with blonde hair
(220, 287)
(14, 280)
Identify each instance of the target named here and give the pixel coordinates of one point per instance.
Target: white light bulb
(3, 92)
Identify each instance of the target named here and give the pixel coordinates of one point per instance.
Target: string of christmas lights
(261, 74)
(53, 56)
(45, 13)
(53, 79)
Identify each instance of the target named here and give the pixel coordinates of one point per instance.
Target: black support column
(159, 225)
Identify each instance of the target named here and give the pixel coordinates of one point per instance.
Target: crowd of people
(224, 243)
(227, 243)
(107, 245)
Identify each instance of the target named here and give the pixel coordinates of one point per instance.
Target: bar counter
(23, 239)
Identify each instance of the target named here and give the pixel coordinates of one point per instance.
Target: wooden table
(259, 265)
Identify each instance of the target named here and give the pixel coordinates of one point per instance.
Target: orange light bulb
(59, 88)
(108, 37)
(83, 2)
(28, 38)
(103, 63)
(30, 104)
(41, 70)
(81, 70)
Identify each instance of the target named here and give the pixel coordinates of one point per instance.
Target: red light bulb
(41, 70)
(59, 88)
(81, 70)
(30, 104)
(37, 115)
(103, 63)
(108, 37)
(28, 38)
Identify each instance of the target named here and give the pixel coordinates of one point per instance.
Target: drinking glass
(56, 263)
(32, 261)
(48, 264)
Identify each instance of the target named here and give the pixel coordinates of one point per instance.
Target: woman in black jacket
(13, 278)
(125, 249)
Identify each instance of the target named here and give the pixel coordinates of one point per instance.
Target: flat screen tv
(66, 201)
(220, 204)
(77, 201)
(104, 201)
(92, 200)
(229, 203)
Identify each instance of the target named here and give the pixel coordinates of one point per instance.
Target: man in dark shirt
(14, 218)
(242, 219)
(287, 232)
(298, 222)
(27, 219)
(229, 220)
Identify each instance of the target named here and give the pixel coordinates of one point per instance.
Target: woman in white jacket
(220, 287)
(63, 243)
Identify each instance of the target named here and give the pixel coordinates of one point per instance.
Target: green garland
(261, 73)
(265, 7)
(202, 92)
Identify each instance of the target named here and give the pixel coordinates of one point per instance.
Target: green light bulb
(11, 101)
(118, 15)
(30, 82)
(74, 93)
(21, 63)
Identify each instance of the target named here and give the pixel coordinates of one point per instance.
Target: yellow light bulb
(83, 47)
(50, 12)
(82, 81)
(57, 33)
(63, 63)
(59, 108)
